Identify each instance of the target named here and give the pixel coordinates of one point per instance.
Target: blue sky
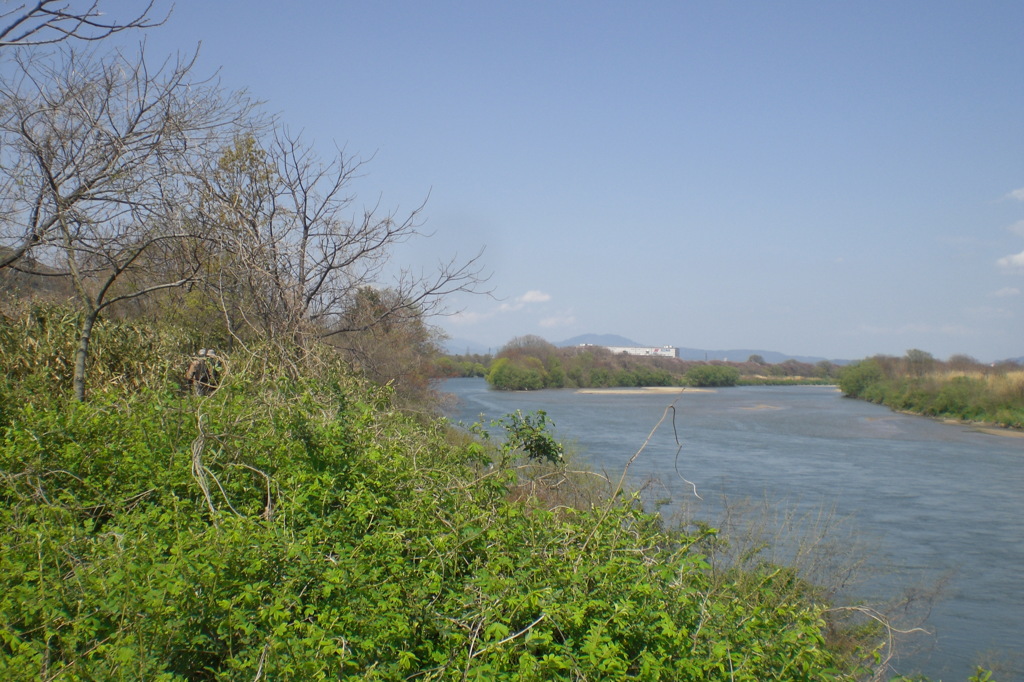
(829, 179)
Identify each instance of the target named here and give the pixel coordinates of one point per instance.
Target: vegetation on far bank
(530, 363)
(960, 388)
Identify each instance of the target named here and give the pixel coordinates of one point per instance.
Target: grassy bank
(989, 395)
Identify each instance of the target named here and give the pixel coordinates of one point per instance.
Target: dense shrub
(712, 375)
(856, 378)
(993, 394)
(510, 376)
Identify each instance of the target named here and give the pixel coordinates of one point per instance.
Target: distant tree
(44, 22)
(507, 375)
(826, 369)
(792, 368)
(530, 342)
(757, 359)
(399, 349)
(919, 362)
(963, 363)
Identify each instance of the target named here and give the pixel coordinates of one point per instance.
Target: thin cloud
(520, 302)
(1017, 194)
(916, 328)
(534, 296)
(1017, 228)
(1006, 292)
(517, 304)
(1013, 262)
(558, 321)
(466, 317)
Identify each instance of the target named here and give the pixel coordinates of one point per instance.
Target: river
(941, 505)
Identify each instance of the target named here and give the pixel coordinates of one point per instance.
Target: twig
(625, 470)
(198, 470)
(509, 638)
(263, 660)
(679, 449)
(883, 665)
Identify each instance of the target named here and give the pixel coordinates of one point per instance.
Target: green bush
(855, 379)
(712, 375)
(529, 433)
(506, 375)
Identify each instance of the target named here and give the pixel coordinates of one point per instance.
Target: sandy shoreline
(1000, 431)
(643, 390)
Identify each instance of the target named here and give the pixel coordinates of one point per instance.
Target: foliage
(141, 187)
(784, 381)
(294, 525)
(713, 375)
(506, 375)
(956, 390)
(389, 341)
(468, 365)
(92, 174)
(858, 377)
(529, 433)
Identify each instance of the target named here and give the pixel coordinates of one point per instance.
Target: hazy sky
(816, 178)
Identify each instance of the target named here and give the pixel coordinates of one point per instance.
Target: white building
(645, 351)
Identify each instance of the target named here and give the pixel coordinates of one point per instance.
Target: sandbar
(1001, 431)
(644, 390)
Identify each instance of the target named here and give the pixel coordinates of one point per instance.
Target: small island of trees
(531, 363)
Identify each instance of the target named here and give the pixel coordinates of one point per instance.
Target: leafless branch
(45, 22)
(300, 250)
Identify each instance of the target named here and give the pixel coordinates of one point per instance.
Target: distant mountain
(733, 355)
(742, 354)
(465, 346)
(598, 340)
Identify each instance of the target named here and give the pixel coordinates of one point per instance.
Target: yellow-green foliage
(37, 353)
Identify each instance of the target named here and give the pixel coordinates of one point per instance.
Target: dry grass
(1003, 385)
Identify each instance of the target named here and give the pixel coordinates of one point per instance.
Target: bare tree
(301, 251)
(93, 164)
(45, 22)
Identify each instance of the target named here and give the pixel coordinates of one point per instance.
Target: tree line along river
(940, 506)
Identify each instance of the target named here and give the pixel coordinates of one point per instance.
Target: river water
(940, 505)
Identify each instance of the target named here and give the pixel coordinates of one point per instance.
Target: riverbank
(990, 397)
